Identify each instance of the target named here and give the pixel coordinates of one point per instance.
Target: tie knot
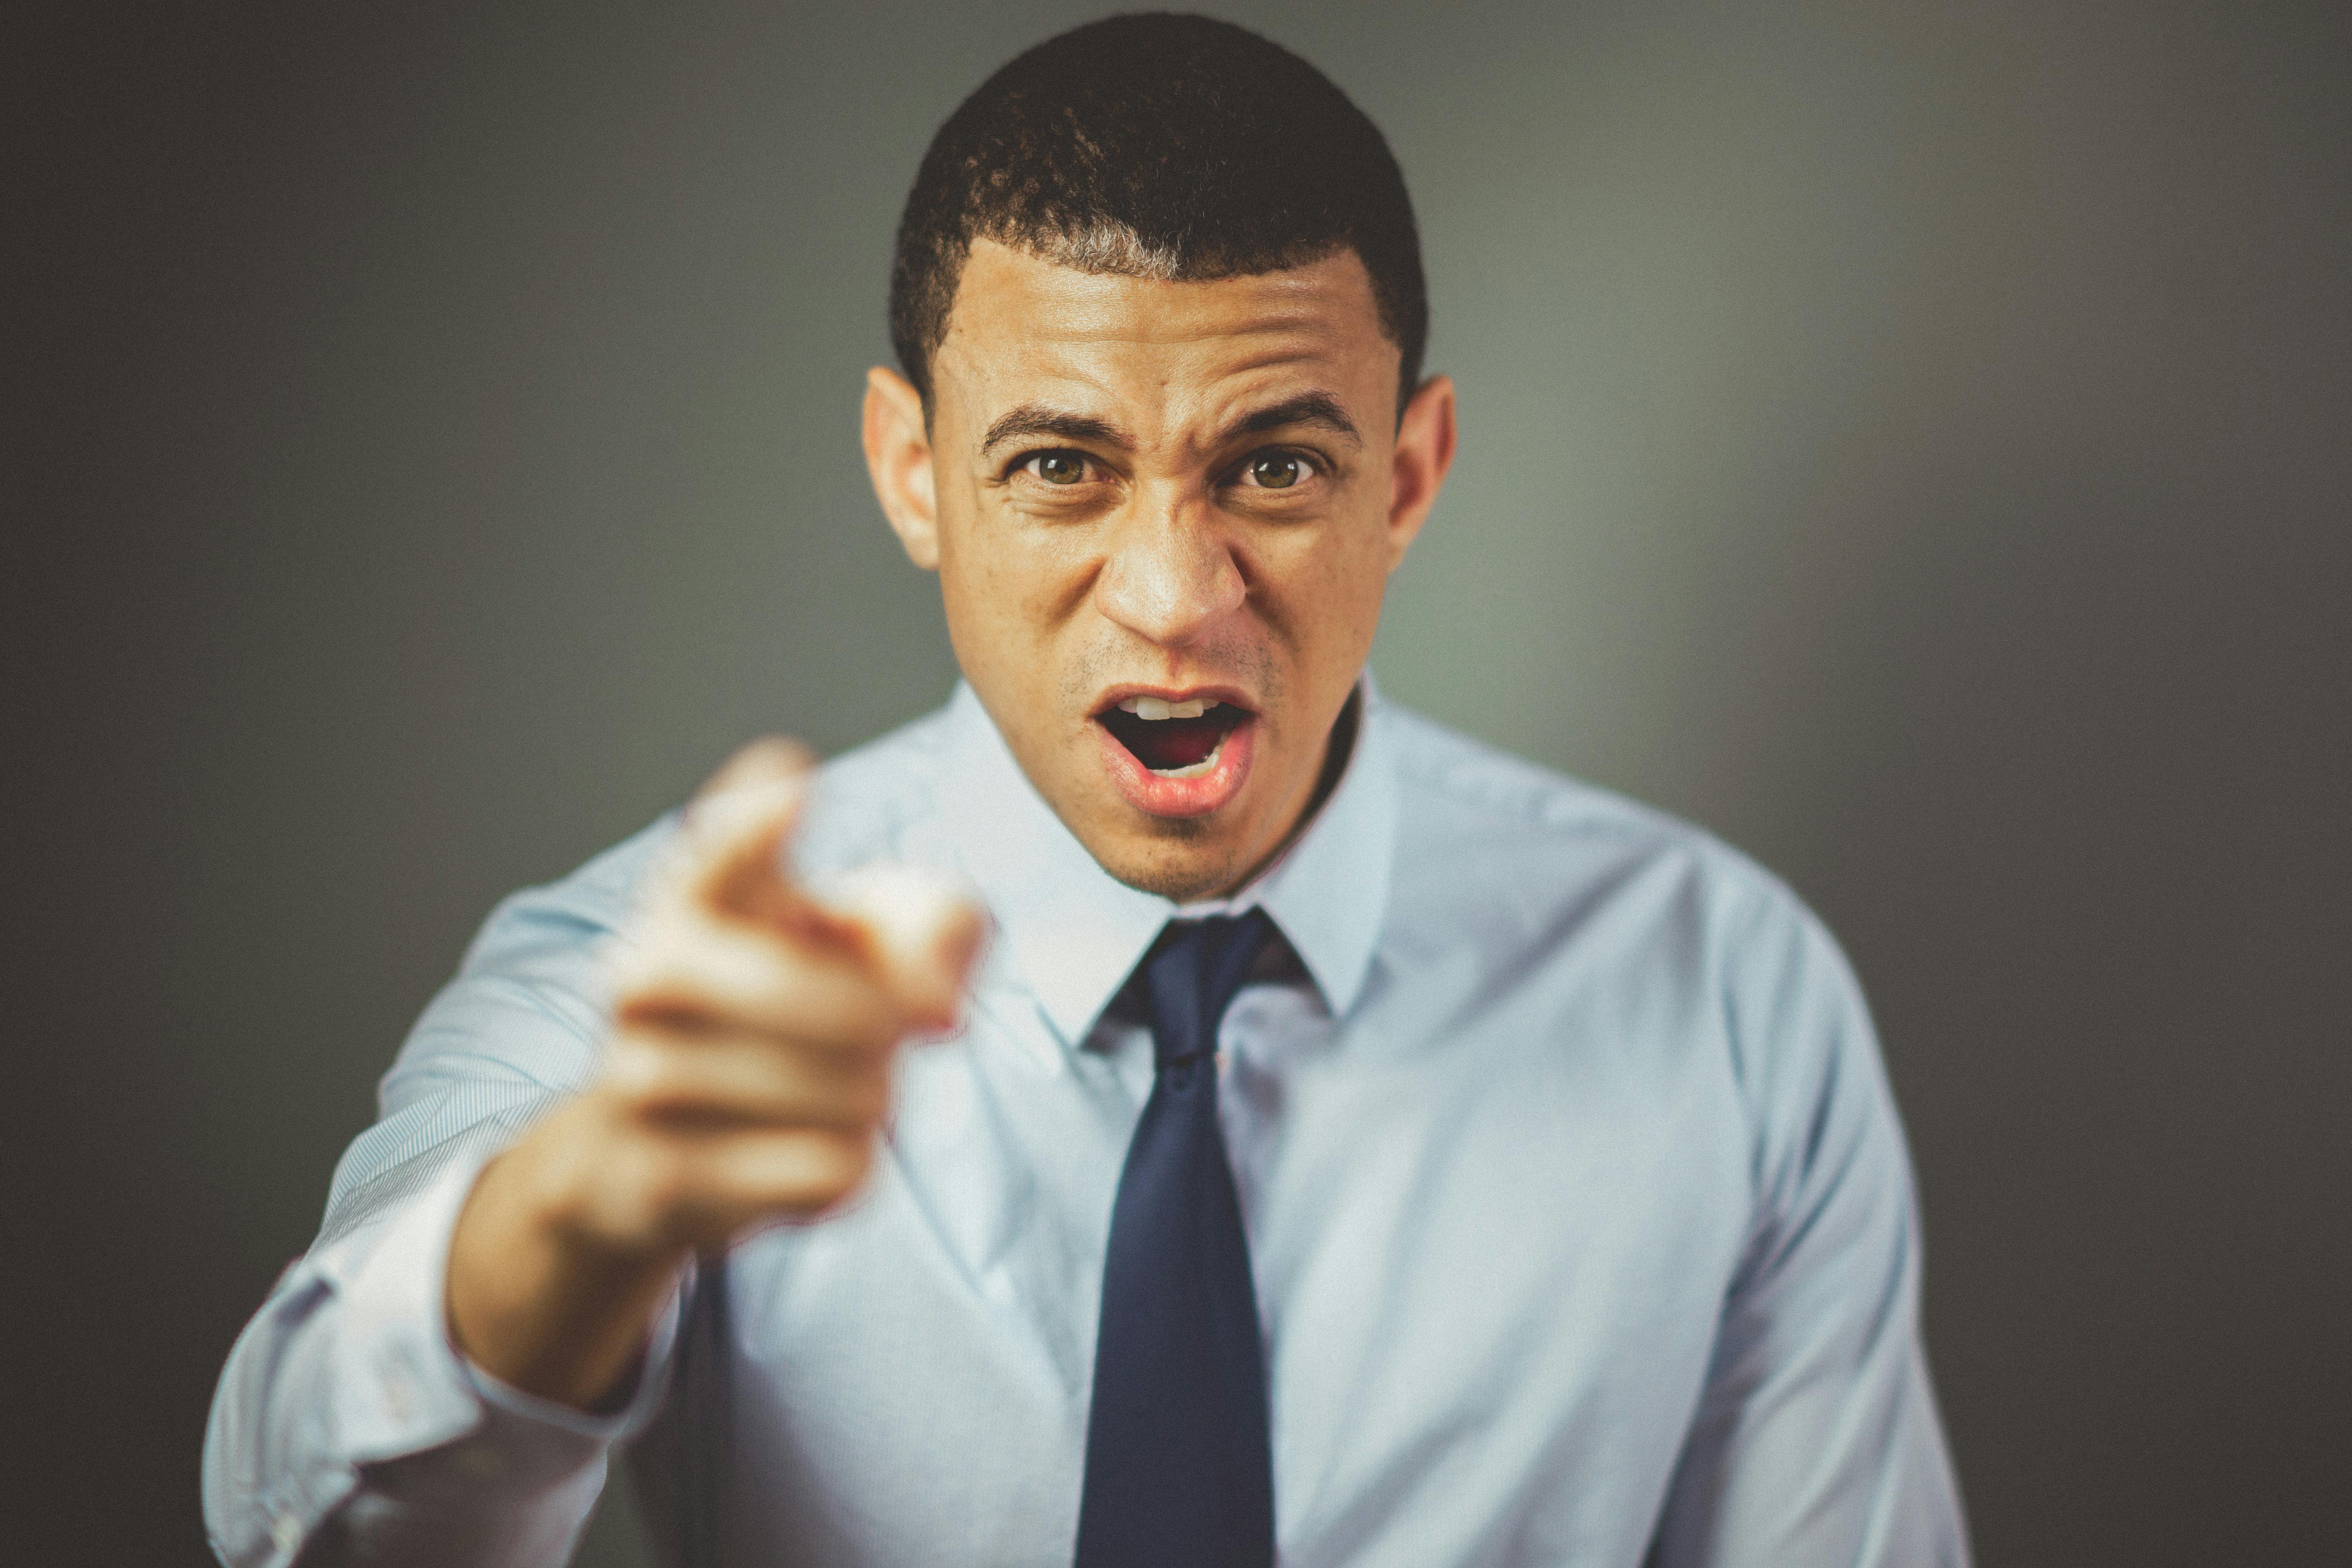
(1195, 977)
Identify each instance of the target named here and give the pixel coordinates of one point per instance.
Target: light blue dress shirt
(1581, 1217)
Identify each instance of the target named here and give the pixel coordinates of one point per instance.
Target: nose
(1171, 575)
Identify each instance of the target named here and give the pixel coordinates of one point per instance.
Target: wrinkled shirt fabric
(1580, 1216)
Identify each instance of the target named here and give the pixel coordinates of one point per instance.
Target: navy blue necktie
(1179, 1474)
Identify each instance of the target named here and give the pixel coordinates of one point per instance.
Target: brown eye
(1278, 471)
(1059, 467)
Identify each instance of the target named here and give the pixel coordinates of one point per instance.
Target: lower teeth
(1190, 771)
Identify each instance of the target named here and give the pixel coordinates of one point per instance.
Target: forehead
(1023, 327)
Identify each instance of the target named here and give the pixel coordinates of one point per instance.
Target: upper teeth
(1160, 708)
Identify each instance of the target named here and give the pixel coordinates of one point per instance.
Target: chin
(1175, 857)
(1181, 860)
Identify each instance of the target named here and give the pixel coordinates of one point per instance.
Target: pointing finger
(765, 760)
(688, 973)
(735, 831)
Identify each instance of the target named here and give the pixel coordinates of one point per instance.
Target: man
(1350, 1146)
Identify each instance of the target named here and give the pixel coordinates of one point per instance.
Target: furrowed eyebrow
(1036, 419)
(1316, 408)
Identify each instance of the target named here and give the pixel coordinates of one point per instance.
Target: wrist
(540, 1295)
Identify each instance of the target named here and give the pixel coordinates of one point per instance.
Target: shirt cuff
(412, 1390)
(614, 1426)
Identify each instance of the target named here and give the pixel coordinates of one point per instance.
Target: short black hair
(1157, 146)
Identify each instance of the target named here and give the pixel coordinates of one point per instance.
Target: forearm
(535, 1297)
(347, 1428)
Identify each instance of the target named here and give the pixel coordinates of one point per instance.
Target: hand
(745, 1081)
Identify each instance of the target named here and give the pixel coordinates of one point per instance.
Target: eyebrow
(1316, 408)
(1313, 408)
(1037, 419)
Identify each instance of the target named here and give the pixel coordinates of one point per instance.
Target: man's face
(1163, 516)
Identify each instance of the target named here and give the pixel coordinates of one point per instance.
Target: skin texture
(746, 1072)
(744, 1081)
(1167, 567)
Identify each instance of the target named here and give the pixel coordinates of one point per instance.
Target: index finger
(731, 854)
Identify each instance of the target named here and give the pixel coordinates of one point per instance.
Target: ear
(899, 456)
(1424, 451)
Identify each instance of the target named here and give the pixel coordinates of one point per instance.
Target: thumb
(927, 934)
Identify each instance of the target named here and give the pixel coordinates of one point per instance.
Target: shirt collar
(1073, 933)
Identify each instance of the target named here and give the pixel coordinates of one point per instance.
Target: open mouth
(1174, 740)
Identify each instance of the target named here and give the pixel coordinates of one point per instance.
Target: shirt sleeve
(1816, 1440)
(347, 1427)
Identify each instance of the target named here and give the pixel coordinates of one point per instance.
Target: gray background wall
(1912, 445)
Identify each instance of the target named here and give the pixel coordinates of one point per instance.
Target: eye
(1058, 467)
(1277, 470)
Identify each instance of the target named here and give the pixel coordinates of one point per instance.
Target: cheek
(1005, 597)
(1324, 590)
(974, 602)
(1048, 573)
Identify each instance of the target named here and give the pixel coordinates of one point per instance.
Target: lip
(1146, 790)
(1231, 696)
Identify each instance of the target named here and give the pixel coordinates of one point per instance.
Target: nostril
(1172, 588)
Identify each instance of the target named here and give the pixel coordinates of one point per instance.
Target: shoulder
(1537, 839)
(532, 971)
(1535, 878)
(863, 799)
(868, 799)
(587, 903)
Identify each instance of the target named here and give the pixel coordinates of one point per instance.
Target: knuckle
(847, 1163)
(692, 976)
(670, 1194)
(827, 1167)
(662, 1006)
(869, 1028)
(647, 1078)
(867, 1101)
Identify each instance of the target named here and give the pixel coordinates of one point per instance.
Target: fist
(755, 1029)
